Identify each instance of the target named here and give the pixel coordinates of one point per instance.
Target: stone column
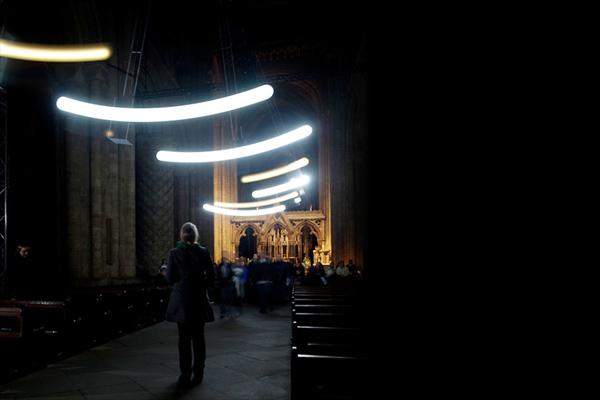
(155, 200)
(324, 178)
(77, 188)
(100, 191)
(224, 189)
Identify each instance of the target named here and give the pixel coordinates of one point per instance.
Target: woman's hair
(189, 233)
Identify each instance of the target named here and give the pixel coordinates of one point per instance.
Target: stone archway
(307, 240)
(240, 234)
(247, 244)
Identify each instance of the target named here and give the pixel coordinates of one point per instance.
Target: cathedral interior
(122, 121)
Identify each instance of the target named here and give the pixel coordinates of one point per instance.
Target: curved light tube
(236, 152)
(294, 183)
(258, 203)
(243, 213)
(37, 52)
(303, 162)
(161, 114)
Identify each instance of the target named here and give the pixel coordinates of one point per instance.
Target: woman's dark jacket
(190, 271)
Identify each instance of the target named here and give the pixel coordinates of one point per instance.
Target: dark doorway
(247, 247)
(309, 242)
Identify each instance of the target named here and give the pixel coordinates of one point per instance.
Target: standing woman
(190, 271)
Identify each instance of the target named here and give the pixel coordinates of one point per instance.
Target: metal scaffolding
(3, 188)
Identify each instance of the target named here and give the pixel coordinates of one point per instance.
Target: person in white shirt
(341, 269)
(238, 272)
(329, 271)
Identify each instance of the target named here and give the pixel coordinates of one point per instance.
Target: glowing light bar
(243, 213)
(236, 152)
(258, 203)
(297, 200)
(51, 53)
(294, 183)
(161, 114)
(303, 162)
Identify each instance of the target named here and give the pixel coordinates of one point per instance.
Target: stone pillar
(77, 187)
(224, 189)
(324, 178)
(126, 208)
(100, 192)
(155, 200)
(348, 156)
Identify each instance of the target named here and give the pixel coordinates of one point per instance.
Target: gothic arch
(241, 231)
(314, 228)
(300, 98)
(244, 245)
(283, 220)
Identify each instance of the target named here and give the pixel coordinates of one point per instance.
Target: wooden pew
(328, 343)
(11, 322)
(324, 318)
(34, 332)
(316, 375)
(35, 317)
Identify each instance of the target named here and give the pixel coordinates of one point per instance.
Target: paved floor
(247, 358)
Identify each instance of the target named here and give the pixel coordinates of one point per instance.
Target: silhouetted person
(254, 259)
(289, 280)
(24, 280)
(264, 283)
(190, 271)
(299, 270)
(226, 288)
(212, 290)
(239, 282)
(279, 271)
(341, 270)
(329, 272)
(354, 270)
(312, 276)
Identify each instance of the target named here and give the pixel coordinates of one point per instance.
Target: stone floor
(247, 358)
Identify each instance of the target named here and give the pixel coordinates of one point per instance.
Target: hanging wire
(130, 53)
(127, 73)
(141, 56)
(227, 45)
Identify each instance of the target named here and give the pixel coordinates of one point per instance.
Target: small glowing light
(51, 53)
(160, 114)
(297, 200)
(258, 203)
(243, 213)
(109, 133)
(302, 191)
(294, 183)
(236, 152)
(303, 162)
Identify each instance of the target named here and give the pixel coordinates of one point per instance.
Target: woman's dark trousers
(191, 333)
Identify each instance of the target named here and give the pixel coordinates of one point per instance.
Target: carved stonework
(282, 234)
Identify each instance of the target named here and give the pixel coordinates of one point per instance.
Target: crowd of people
(259, 280)
(268, 282)
(327, 274)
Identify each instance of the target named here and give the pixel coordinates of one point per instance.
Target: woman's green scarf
(184, 245)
